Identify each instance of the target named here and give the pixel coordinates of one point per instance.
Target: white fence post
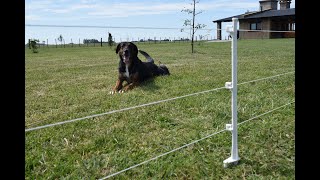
(233, 87)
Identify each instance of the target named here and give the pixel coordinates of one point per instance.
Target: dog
(134, 71)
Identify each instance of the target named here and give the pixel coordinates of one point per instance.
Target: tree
(191, 22)
(87, 41)
(110, 41)
(34, 46)
(60, 38)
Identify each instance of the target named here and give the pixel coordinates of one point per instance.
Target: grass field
(68, 83)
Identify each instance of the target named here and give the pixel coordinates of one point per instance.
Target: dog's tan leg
(130, 86)
(135, 82)
(118, 85)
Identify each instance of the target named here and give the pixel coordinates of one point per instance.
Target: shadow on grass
(149, 85)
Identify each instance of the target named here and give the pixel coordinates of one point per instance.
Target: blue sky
(126, 13)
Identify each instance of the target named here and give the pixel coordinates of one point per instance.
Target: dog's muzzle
(126, 56)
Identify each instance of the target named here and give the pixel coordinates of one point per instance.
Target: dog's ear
(135, 49)
(118, 48)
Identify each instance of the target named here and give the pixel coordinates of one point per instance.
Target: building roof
(260, 14)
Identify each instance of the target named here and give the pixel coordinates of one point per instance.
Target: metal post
(233, 87)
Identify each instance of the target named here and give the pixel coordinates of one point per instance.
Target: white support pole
(233, 87)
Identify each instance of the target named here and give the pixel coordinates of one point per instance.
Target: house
(268, 18)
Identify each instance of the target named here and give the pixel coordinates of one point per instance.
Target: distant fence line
(166, 34)
(96, 43)
(144, 38)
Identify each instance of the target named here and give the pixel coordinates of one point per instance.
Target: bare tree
(191, 22)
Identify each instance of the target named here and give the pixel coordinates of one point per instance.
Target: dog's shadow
(149, 85)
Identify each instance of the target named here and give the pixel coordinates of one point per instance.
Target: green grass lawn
(68, 83)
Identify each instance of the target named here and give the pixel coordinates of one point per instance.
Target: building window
(291, 26)
(294, 26)
(255, 26)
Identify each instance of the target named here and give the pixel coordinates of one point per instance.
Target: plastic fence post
(233, 87)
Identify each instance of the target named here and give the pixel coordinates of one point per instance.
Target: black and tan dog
(132, 70)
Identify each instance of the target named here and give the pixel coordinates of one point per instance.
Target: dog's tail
(147, 56)
(162, 69)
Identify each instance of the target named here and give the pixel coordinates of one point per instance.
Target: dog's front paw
(115, 92)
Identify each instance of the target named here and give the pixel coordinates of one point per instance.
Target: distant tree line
(86, 41)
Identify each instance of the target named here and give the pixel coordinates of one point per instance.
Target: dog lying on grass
(134, 71)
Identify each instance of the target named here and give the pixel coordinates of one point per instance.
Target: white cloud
(134, 9)
(83, 6)
(58, 11)
(103, 9)
(61, 6)
(37, 5)
(226, 6)
(88, 1)
(32, 18)
(70, 9)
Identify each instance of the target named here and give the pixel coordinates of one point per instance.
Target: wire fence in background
(103, 43)
(97, 36)
(76, 35)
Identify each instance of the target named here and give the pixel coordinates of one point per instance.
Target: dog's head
(127, 51)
